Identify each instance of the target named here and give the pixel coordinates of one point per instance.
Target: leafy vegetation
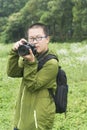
(67, 19)
(73, 59)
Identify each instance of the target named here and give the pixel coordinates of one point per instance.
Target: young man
(35, 108)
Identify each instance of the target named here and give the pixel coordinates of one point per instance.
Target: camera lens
(23, 50)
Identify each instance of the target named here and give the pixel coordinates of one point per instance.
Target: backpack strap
(40, 65)
(45, 59)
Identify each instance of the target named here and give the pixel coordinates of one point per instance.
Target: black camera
(24, 49)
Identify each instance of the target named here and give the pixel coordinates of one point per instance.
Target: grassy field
(73, 59)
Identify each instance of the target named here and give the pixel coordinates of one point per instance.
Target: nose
(35, 41)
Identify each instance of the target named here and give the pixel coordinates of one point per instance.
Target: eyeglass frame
(38, 38)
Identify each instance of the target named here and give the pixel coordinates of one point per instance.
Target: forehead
(35, 31)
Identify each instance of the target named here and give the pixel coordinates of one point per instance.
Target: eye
(31, 39)
(39, 38)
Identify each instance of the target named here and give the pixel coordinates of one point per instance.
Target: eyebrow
(36, 36)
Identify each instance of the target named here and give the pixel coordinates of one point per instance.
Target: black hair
(43, 26)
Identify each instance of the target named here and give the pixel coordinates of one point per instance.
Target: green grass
(73, 59)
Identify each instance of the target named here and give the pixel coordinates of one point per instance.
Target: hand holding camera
(25, 49)
(18, 43)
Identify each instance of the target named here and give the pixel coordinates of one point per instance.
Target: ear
(48, 39)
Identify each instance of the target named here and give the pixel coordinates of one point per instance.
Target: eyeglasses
(39, 38)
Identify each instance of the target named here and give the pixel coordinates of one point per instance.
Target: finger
(15, 46)
(30, 51)
(23, 41)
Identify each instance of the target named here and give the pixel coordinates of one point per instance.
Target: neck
(40, 55)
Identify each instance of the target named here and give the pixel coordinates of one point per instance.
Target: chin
(38, 51)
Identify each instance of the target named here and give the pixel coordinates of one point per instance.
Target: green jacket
(35, 108)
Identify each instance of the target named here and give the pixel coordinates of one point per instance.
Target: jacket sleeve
(44, 78)
(13, 69)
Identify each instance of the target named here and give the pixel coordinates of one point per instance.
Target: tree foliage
(66, 19)
(8, 7)
(80, 19)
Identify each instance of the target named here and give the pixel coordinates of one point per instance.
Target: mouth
(37, 47)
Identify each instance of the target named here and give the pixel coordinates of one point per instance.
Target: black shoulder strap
(45, 59)
(40, 65)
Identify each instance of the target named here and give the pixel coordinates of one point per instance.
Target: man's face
(37, 37)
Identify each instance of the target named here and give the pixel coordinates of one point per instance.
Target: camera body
(24, 49)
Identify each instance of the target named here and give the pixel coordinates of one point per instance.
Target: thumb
(30, 51)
